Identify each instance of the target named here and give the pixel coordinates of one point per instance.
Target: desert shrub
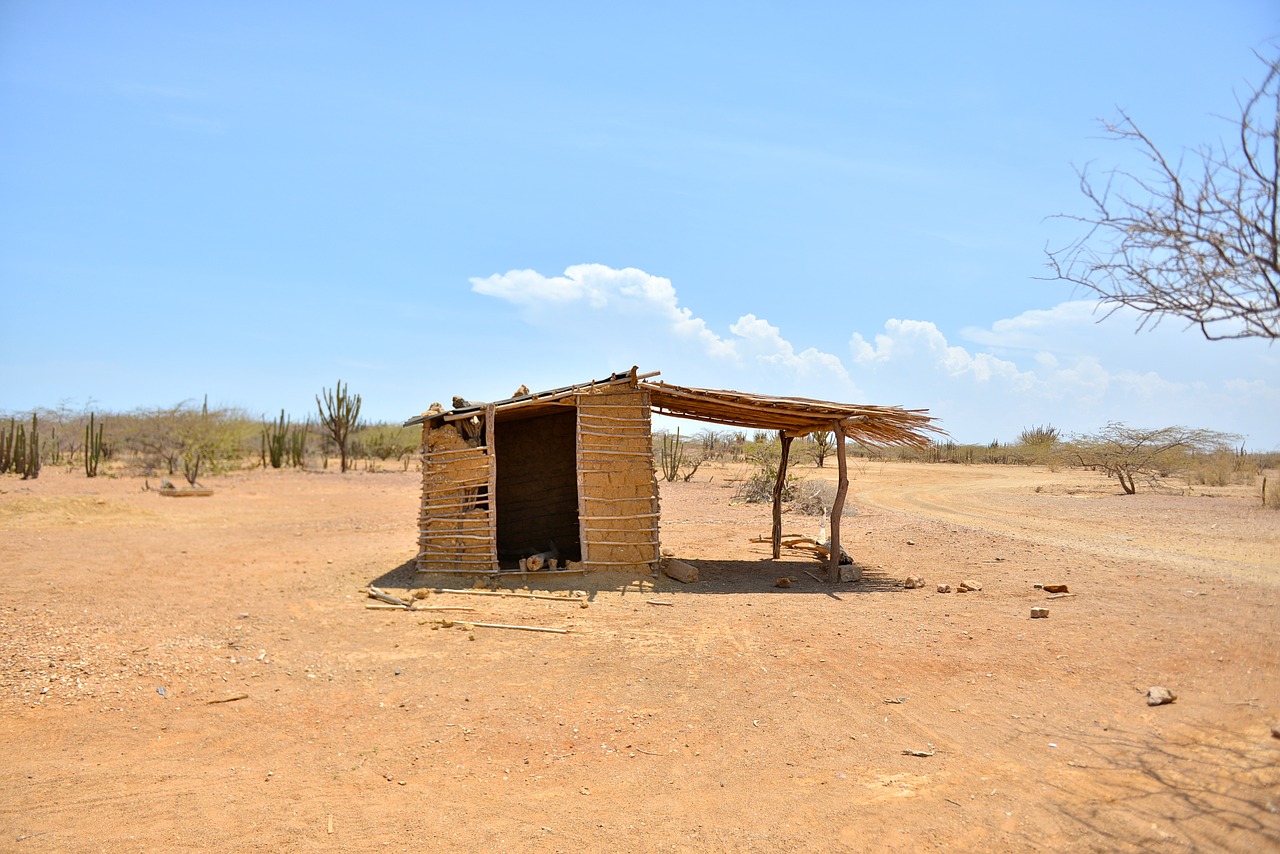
(1270, 490)
(810, 497)
(387, 442)
(765, 456)
(1220, 468)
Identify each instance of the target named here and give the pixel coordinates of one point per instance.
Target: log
(680, 571)
(534, 563)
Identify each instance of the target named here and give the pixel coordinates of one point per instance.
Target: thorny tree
(1196, 239)
(339, 416)
(1132, 453)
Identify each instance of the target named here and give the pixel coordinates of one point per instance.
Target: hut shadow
(401, 577)
(715, 577)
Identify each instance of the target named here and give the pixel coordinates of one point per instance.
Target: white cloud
(644, 310)
(1055, 366)
(1060, 366)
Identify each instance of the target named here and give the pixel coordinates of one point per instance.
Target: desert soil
(202, 673)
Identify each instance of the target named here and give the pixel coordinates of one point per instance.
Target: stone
(1039, 613)
(1157, 696)
(967, 585)
(1055, 588)
(913, 581)
(680, 571)
(782, 582)
(1275, 730)
(850, 572)
(944, 588)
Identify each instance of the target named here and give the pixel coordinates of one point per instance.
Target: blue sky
(835, 200)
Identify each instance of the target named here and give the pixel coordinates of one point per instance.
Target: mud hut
(563, 480)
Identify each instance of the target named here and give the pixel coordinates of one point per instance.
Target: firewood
(535, 563)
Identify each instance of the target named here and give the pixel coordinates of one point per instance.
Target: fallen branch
(929, 752)
(467, 624)
(382, 606)
(582, 600)
(386, 597)
(658, 602)
(231, 699)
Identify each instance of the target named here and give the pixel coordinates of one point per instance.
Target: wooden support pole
(491, 427)
(785, 441)
(837, 506)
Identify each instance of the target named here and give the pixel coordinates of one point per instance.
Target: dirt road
(202, 674)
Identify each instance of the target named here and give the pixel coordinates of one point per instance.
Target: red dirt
(741, 717)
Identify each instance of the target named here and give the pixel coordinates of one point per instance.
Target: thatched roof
(872, 425)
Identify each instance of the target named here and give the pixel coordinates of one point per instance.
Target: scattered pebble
(1157, 696)
(913, 581)
(944, 588)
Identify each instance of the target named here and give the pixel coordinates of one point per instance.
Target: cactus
(672, 456)
(7, 439)
(31, 466)
(274, 435)
(92, 448)
(19, 463)
(298, 446)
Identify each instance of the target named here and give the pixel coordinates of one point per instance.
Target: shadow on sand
(714, 577)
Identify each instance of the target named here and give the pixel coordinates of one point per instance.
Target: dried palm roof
(872, 425)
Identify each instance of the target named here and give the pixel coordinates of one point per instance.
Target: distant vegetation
(1159, 459)
(193, 440)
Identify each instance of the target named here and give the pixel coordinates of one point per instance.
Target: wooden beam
(837, 507)
(778, 484)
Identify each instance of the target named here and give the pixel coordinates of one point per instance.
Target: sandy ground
(738, 716)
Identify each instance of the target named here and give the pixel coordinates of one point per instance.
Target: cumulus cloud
(1060, 366)
(646, 309)
(1057, 365)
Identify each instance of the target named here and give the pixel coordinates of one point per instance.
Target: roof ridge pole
(778, 485)
(837, 506)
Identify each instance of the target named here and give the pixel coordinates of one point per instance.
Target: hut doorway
(537, 486)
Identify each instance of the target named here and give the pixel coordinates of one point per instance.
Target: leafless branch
(1195, 239)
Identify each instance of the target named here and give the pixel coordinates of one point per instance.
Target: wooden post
(837, 507)
(490, 427)
(777, 493)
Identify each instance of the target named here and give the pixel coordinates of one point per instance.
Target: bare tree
(339, 416)
(1132, 453)
(822, 444)
(1196, 239)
